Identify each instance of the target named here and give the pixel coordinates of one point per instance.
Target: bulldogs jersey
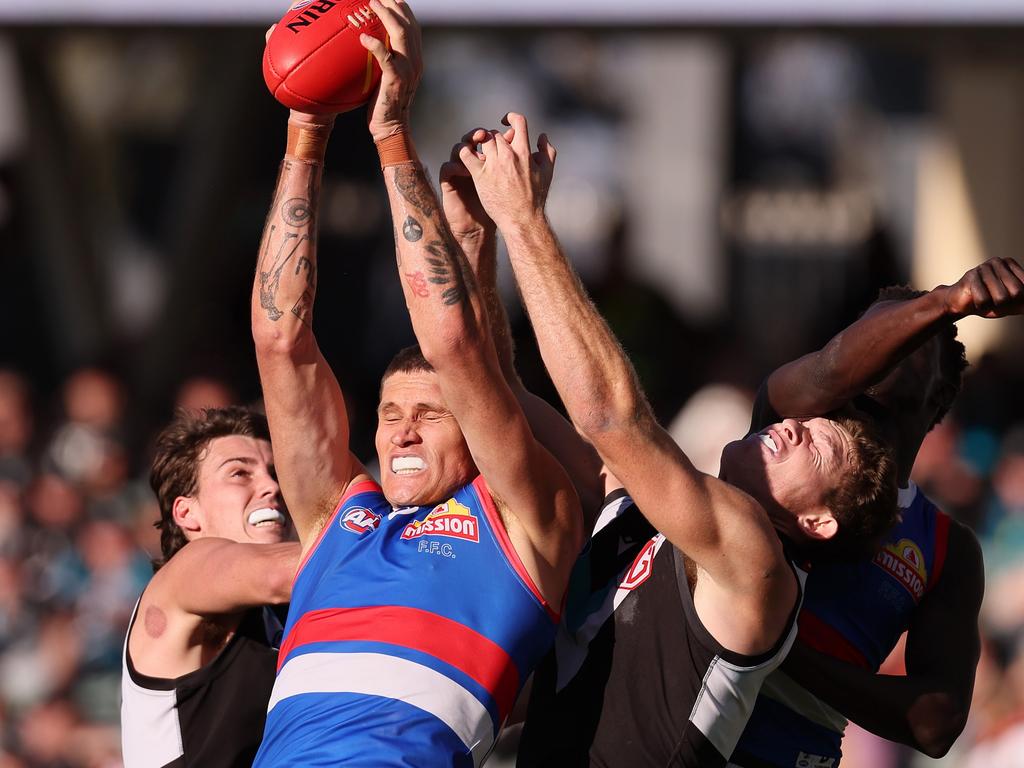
(856, 613)
(410, 634)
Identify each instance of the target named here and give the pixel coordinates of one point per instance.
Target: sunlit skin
(415, 429)
(236, 479)
(792, 482)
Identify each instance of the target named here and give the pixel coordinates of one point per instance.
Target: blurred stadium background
(735, 181)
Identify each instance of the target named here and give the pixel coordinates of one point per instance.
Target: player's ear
(821, 525)
(185, 513)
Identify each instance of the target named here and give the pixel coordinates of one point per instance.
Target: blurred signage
(529, 12)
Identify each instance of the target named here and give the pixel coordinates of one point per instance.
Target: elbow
(272, 340)
(601, 411)
(279, 582)
(450, 344)
(936, 736)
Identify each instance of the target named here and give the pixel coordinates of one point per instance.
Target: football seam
(298, 64)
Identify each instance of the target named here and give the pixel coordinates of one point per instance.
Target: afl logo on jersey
(360, 520)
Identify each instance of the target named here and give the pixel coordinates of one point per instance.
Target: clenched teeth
(266, 516)
(407, 465)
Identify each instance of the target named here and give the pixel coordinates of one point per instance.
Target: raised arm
(927, 708)
(538, 504)
(305, 406)
(719, 527)
(867, 350)
(476, 233)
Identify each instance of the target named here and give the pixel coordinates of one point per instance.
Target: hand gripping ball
(314, 62)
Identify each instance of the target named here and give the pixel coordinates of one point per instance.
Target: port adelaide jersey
(410, 634)
(210, 717)
(635, 678)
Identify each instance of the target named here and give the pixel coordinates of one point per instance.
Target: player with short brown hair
(201, 647)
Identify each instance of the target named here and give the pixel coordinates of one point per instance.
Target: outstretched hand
(512, 181)
(401, 64)
(993, 289)
(459, 199)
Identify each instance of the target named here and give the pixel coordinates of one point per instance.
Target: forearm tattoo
(289, 243)
(447, 266)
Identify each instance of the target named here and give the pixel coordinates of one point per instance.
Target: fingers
(993, 283)
(453, 169)
(1011, 286)
(401, 26)
(377, 48)
(270, 31)
(980, 296)
(546, 149)
(472, 163)
(1016, 269)
(521, 141)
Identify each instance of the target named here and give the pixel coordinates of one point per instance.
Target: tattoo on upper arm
(409, 181)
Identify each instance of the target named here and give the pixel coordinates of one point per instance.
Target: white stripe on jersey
(727, 697)
(150, 729)
(391, 677)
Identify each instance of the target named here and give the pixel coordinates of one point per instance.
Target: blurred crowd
(76, 538)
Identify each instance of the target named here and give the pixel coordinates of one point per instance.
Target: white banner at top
(542, 12)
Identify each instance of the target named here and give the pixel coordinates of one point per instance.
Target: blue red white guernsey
(410, 635)
(855, 613)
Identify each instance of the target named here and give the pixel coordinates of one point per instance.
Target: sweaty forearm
(913, 710)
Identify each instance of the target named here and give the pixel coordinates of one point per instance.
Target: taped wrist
(396, 149)
(307, 143)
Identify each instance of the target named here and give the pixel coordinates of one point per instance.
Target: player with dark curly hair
(201, 646)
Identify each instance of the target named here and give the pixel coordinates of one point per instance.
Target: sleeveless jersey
(410, 635)
(636, 679)
(212, 716)
(855, 613)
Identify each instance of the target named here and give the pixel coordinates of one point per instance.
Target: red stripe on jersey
(363, 486)
(826, 639)
(477, 656)
(941, 543)
(498, 526)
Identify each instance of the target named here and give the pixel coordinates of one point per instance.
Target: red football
(314, 62)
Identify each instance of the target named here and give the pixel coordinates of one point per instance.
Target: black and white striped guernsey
(635, 678)
(213, 716)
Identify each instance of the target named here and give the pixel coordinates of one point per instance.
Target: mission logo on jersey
(448, 519)
(905, 563)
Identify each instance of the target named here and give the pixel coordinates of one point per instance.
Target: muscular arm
(233, 576)
(305, 406)
(207, 581)
(475, 232)
(722, 529)
(863, 353)
(540, 508)
(927, 708)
